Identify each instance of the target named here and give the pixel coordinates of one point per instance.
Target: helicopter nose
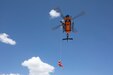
(67, 15)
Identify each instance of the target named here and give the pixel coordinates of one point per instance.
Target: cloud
(5, 39)
(10, 74)
(37, 67)
(54, 14)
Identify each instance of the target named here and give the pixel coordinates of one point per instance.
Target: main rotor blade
(54, 28)
(74, 29)
(59, 10)
(81, 14)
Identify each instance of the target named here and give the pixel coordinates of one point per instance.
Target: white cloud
(10, 74)
(5, 39)
(37, 67)
(54, 14)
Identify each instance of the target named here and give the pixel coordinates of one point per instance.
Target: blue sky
(29, 24)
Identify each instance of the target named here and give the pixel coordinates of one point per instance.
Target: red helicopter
(67, 23)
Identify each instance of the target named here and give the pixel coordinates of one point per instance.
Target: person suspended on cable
(60, 63)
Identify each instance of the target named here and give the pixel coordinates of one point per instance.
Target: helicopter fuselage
(67, 24)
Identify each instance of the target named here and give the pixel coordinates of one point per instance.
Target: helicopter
(67, 23)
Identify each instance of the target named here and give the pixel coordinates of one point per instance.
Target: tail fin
(67, 38)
